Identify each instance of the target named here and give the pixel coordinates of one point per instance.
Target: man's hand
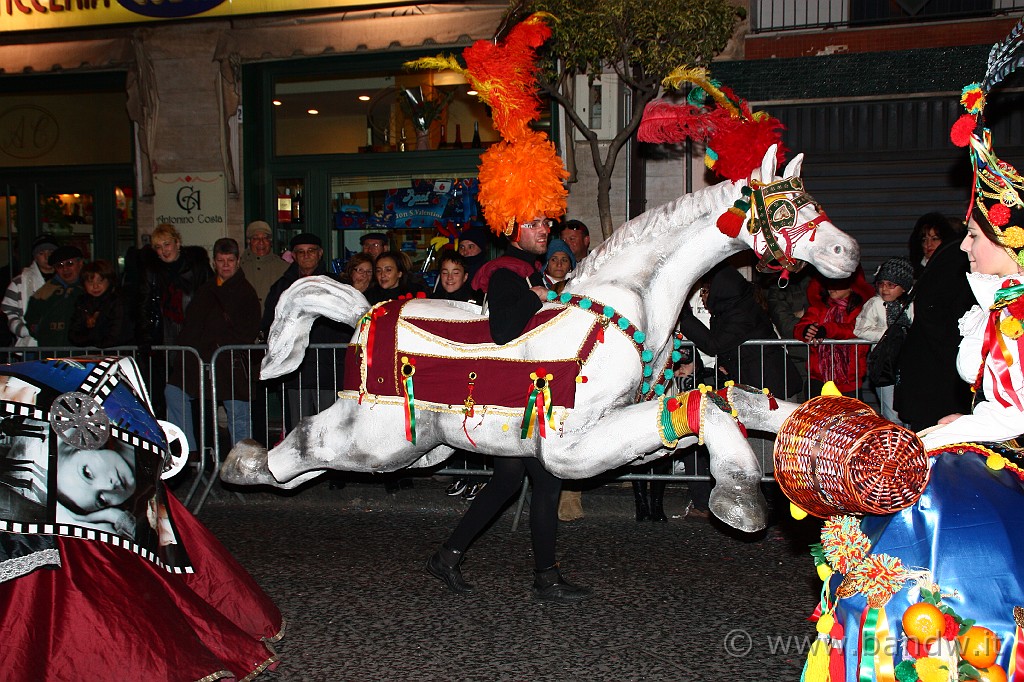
(950, 418)
(541, 292)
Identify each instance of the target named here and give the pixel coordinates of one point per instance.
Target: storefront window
(70, 217)
(375, 113)
(419, 215)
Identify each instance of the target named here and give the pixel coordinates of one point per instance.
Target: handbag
(883, 358)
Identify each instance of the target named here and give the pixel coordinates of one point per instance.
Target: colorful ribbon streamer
(408, 370)
(875, 651)
(537, 402)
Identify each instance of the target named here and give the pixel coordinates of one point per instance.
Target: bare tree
(639, 40)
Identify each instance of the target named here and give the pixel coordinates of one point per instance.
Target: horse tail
(299, 306)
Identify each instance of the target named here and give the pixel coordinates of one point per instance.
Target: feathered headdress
(997, 185)
(736, 138)
(522, 176)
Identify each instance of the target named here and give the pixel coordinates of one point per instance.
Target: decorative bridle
(773, 211)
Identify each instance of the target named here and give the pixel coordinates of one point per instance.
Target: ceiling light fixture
(312, 112)
(276, 102)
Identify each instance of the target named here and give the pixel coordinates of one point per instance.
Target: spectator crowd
(897, 335)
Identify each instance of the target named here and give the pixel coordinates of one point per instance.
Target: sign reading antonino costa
(195, 203)
(35, 15)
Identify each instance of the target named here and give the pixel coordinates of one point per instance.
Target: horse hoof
(246, 464)
(747, 513)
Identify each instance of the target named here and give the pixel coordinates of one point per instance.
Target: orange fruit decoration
(923, 622)
(993, 673)
(979, 646)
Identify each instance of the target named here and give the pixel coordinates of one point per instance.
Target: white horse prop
(587, 382)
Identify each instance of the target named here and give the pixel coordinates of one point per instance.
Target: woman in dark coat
(737, 316)
(172, 274)
(929, 387)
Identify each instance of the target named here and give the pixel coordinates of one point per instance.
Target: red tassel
(729, 223)
(962, 130)
(600, 334)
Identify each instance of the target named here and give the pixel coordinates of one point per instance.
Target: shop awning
(393, 28)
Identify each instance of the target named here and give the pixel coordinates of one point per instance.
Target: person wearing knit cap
(474, 244)
(20, 290)
(559, 263)
(262, 267)
(881, 315)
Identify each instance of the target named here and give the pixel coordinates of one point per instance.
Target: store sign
(36, 15)
(194, 203)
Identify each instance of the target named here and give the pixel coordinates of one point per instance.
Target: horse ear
(768, 165)
(793, 167)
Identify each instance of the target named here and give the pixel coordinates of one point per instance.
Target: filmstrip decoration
(82, 533)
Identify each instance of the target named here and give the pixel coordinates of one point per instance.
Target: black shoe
(549, 585)
(474, 490)
(444, 565)
(457, 487)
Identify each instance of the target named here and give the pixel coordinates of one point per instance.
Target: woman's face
(95, 479)
(559, 265)
(930, 242)
(96, 285)
(167, 248)
(887, 291)
(468, 249)
(453, 276)
(362, 275)
(388, 273)
(839, 294)
(985, 256)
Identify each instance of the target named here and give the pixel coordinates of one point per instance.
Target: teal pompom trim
(648, 371)
(552, 294)
(647, 356)
(623, 323)
(585, 303)
(565, 298)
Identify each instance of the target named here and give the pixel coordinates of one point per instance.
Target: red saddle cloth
(497, 381)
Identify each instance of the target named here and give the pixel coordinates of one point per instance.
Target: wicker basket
(834, 455)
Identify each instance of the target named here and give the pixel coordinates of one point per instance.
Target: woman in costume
(88, 598)
(933, 592)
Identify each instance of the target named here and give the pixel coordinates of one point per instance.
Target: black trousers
(505, 483)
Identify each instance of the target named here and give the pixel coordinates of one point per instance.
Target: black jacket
(929, 386)
(329, 362)
(736, 316)
(167, 290)
(510, 302)
(110, 323)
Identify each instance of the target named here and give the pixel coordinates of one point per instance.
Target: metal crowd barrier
(273, 407)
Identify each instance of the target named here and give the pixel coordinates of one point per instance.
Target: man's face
(307, 257)
(69, 269)
(226, 265)
(259, 244)
(374, 247)
(533, 236)
(578, 241)
(453, 276)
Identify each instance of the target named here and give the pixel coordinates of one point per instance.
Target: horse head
(786, 227)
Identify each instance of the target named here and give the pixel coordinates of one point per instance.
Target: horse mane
(650, 225)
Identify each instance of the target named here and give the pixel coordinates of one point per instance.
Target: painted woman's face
(95, 479)
(985, 256)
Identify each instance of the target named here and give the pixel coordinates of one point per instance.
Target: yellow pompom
(824, 572)
(504, 427)
(830, 389)
(730, 383)
(796, 512)
(825, 623)
(1011, 327)
(405, 360)
(995, 462)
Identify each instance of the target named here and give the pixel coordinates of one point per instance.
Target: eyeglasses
(537, 224)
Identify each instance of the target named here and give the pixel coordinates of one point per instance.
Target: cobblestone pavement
(686, 600)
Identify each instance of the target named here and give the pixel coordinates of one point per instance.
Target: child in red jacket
(833, 306)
